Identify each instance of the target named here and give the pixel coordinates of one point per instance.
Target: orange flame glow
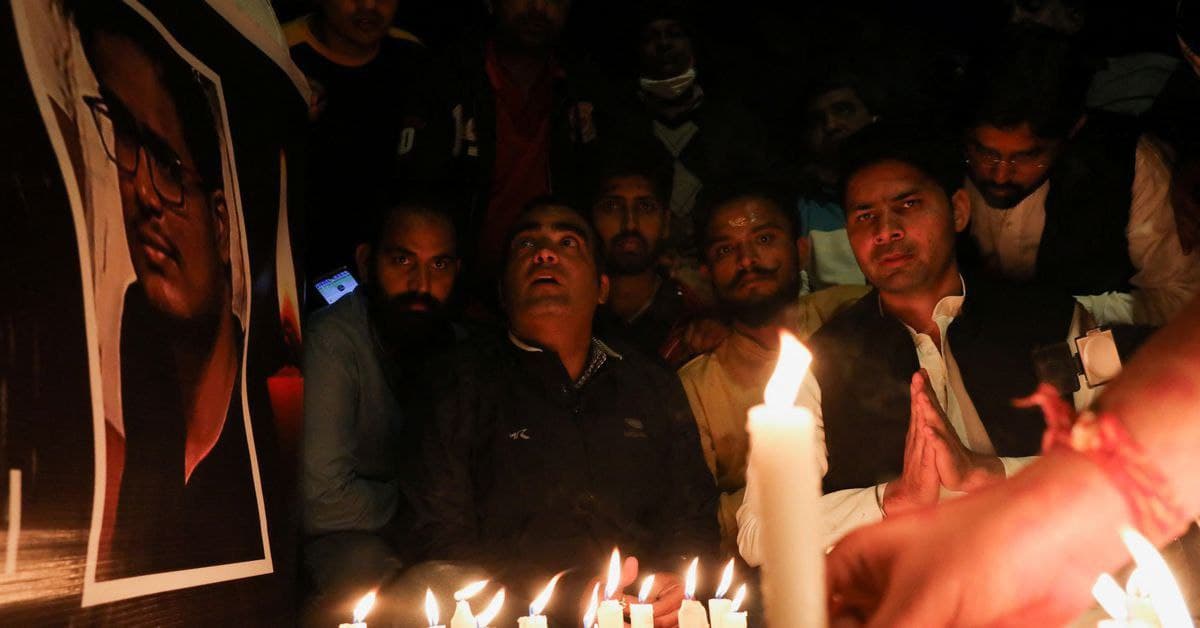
(363, 607)
(726, 580)
(431, 608)
(689, 586)
(589, 618)
(738, 598)
(470, 591)
(647, 584)
(539, 603)
(493, 608)
(793, 363)
(614, 575)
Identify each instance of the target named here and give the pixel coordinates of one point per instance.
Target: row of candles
(609, 613)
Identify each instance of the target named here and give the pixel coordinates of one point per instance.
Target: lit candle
(589, 618)
(360, 611)
(432, 613)
(462, 606)
(484, 618)
(611, 614)
(641, 615)
(536, 619)
(691, 614)
(718, 605)
(12, 541)
(788, 484)
(1151, 596)
(733, 618)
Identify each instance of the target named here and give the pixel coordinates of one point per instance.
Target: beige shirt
(1008, 240)
(723, 385)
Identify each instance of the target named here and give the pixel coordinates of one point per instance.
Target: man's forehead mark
(749, 218)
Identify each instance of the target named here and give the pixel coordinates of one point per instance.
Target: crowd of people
(572, 284)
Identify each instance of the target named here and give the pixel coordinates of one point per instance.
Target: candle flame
(726, 580)
(431, 608)
(738, 598)
(1165, 597)
(644, 593)
(1110, 596)
(493, 609)
(614, 575)
(784, 384)
(363, 607)
(470, 591)
(539, 603)
(589, 618)
(689, 583)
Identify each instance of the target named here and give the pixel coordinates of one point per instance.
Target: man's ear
(960, 205)
(362, 259)
(220, 212)
(603, 289)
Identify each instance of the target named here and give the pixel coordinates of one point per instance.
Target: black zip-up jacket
(528, 473)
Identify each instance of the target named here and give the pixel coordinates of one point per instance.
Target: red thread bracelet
(1105, 441)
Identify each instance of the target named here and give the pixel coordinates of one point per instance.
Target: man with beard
(363, 359)
(555, 446)
(751, 255)
(1075, 200)
(633, 223)
(903, 418)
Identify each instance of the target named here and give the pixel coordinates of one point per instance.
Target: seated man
(363, 358)
(633, 223)
(750, 253)
(913, 383)
(1077, 201)
(554, 447)
(837, 109)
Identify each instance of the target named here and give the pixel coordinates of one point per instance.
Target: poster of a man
(178, 496)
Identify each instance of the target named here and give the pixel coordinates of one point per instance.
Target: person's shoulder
(697, 369)
(851, 319)
(343, 318)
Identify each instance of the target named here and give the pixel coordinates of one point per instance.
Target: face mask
(669, 88)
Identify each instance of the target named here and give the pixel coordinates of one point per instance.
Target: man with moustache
(556, 446)
(633, 223)
(180, 493)
(751, 254)
(366, 401)
(911, 386)
(1076, 200)
(501, 121)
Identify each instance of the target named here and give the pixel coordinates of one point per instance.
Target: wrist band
(1104, 440)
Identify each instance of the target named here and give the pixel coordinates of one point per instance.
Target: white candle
(692, 615)
(788, 480)
(735, 619)
(12, 541)
(718, 606)
(463, 618)
(536, 619)
(641, 615)
(611, 614)
(360, 611)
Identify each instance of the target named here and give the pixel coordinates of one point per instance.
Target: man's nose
(1003, 172)
(419, 280)
(630, 221)
(747, 256)
(545, 255)
(143, 183)
(888, 229)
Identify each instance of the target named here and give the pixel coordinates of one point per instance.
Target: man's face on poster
(176, 225)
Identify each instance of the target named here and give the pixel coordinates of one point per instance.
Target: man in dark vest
(1078, 201)
(913, 383)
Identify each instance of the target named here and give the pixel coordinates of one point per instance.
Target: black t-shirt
(355, 136)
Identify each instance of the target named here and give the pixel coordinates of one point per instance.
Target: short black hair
(413, 203)
(189, 91)
(839, 77)
(930, 151)
(717, 196)
(658, 176)
(1033, 75)
(550, 200)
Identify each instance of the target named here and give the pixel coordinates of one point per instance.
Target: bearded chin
(403, 330)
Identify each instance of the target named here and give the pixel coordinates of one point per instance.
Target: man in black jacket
(554, 446)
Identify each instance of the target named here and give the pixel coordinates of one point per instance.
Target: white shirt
(1165, 279)
(848, 509)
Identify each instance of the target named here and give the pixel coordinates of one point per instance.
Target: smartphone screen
(336, 285)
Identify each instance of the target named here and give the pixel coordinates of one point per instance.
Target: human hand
(666, 596)
(703, 335)
(918, 484)
(981, 560)
(958, 468)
